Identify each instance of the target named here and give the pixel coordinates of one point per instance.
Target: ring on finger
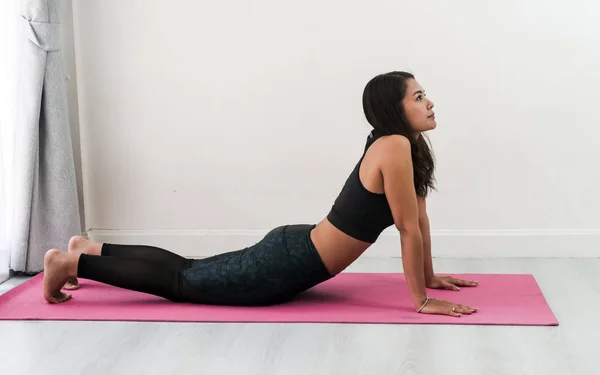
(454, 309)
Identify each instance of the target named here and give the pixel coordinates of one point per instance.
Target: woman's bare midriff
(337, 249)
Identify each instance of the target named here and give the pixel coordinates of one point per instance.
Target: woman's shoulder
(390, 147)
(395, 140)
(386, 155)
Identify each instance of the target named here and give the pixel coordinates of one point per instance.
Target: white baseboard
(445, 244)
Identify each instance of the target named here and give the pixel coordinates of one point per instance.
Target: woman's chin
(426, 127)
(429, 126)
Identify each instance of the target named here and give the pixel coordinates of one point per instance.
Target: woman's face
(418, 108)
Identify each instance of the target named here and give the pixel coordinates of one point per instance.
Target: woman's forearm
(412, 262)
(427, 262)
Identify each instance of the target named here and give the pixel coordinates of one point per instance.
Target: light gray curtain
(46, 209)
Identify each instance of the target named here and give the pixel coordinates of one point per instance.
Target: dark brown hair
(382, 104)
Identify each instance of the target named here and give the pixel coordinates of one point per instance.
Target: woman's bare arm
(398, 182)
(425, 233)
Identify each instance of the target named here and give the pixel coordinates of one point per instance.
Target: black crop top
(358, 212)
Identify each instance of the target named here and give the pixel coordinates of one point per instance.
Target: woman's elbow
(408, 228)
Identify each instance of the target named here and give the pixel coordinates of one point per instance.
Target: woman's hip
(282, 264)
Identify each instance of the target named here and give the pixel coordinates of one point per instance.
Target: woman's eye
(420, 97)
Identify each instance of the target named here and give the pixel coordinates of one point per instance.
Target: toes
(72, 284)
(59, 298)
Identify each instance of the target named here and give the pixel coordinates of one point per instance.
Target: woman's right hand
(436, 306)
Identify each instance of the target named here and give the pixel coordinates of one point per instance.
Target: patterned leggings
(274, 270)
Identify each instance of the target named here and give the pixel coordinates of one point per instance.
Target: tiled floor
(11, 283)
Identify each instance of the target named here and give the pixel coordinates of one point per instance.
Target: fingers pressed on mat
(466, 309)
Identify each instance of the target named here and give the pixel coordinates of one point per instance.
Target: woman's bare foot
(80, 245)
(72, 284)
(59, 266)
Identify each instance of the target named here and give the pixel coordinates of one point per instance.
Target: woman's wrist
(429, 274)
(419, 301)
(422, 305)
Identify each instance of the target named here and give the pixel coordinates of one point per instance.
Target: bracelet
(426, 300)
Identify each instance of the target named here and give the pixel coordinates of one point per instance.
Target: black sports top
(358, 212)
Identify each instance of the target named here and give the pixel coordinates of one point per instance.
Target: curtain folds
(44, 191)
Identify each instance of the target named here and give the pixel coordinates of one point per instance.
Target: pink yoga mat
(347, 298)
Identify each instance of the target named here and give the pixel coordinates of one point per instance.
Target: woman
(387, 187)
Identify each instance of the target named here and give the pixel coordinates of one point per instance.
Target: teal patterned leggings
(274, 270)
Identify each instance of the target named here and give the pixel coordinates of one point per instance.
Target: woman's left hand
(449, 282)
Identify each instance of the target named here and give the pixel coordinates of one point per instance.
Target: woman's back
(359, 214)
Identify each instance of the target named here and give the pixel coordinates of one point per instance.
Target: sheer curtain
(4, 210)
(9, 18)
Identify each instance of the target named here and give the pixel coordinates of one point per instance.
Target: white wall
(203, 122)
